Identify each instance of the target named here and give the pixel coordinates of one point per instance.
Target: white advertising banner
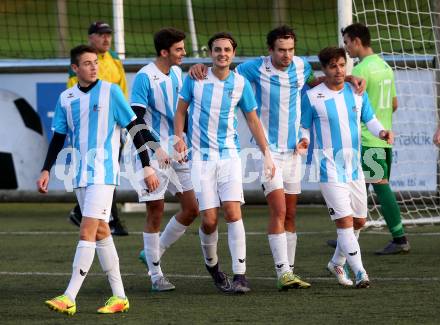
(414, 155)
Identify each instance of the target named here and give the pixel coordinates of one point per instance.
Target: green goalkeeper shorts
(376, 163)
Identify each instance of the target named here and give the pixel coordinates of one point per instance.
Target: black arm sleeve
(140, 112)
(185, 127)
(139, 142)
(55, 146)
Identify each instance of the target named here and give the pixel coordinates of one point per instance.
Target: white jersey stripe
(93, 121)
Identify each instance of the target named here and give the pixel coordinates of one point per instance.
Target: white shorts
(287, 173)
(174, 179)
(95, 201)
(217, 181)
(345, 199)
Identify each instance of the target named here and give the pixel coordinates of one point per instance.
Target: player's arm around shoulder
(359, 84)
(198, 71)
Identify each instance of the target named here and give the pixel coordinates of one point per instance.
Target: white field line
(248, 233)
(198, 276)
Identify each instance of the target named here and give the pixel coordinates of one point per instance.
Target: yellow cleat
(299, 283)
(115, 305)
(288, 280)
(62, 304)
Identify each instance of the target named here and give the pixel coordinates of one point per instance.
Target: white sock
(209, 247)
(292, 238)
(339, 257)
(350, 247)
(108, 257)
(85, 252)
(278, 246)
(173, 231)
(237, 246)
(151, 249)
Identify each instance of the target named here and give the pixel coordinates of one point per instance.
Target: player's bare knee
(87, 235)
(208, 226)
(358, 223)
(279, 217)
(232, 215)
(344, 222)
(103, 231)
(278, 212)
(190, 213)
(289, 225)
(153, 223)
(290, 218)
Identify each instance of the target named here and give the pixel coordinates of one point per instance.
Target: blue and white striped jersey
(278, 95)
(158, 94)
(212, 126)
(335, 117)
(93, 121)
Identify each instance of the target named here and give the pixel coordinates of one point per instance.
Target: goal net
(406, 33)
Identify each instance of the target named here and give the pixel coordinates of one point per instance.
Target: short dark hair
(166, 37)
(222, 35)
(281, 32)
(77, 51)
(329, 53)
(358, 30)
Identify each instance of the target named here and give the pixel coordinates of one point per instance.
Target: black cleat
(393, 248)
(240, 284)
(332, 243)
(117, 228)
(221, 280)
(75, 216)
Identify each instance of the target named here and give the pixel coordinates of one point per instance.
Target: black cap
(99, 27)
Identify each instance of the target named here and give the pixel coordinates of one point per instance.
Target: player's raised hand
(198, 71)
(302, 146)
(163, 158)
(436, 137)
(150, 179)
(43, 182)
(387, 135)
(181, 151)
(269, 166)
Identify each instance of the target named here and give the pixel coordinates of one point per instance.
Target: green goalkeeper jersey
(381, 91)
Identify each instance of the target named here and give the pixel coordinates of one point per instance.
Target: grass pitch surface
(37, 247)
